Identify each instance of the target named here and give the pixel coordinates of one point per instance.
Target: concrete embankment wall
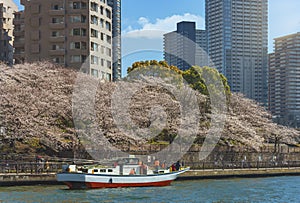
(27, 179)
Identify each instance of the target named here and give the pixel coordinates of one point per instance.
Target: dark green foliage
(194, 76)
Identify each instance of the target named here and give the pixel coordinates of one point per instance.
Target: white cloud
(143, 21)
(156, 30)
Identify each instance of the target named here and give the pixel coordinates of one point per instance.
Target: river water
(275, 189)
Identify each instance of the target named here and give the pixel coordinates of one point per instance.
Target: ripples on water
(278, 189)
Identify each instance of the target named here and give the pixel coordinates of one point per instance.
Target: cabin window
(103, 170)
(85, 170)
(110, 170)
(95, 170)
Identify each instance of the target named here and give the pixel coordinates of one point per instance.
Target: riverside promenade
(49, 178)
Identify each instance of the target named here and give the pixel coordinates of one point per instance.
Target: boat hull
(91, 181)
(94, 185)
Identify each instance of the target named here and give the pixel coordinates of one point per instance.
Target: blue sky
(145, 21)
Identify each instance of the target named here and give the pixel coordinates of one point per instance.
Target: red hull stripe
(92, 185)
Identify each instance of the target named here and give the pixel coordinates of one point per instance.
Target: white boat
(128, 174)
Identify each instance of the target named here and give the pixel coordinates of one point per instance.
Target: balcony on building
(19, 52)
(18, 21)
(55, 26)
(17, 33)
(19, 43)
(57, 52)
(57, 39)
(78, 7)
(59, 12)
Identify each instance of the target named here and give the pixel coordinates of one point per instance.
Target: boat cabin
(125, 166)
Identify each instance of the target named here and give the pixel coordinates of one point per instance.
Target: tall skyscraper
(237, 44)
(116, 34)
(284, 80)
(7, 9)
(186, 46)
(69, 33)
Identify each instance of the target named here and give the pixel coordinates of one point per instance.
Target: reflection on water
(278, 189)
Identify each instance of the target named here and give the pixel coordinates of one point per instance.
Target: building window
(108, 51)
(83, 46)
(78, 45)
(75, 45)
(94, 20)
(94, 7)
(3, 9)
(83, 58)
(108, 77)
(95, 73)
(76, 5)
(94, 33)
(108, 39)
(78, 32)
(56, 60)
(108, 13)
(94, 60)
(59, 60)
(76, 58)
(108, 64)
(83, 5)
(57, 20)
(78, 19)
(108, 26)
(102, 23)
(94, 46)
(57, 7)
(55, 47)
(83, 32)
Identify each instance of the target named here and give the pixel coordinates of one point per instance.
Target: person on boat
(163, 165)
(142, 168)
(156, 164)
(132, 172)
(177, 166)
(173, 168)
(47, 166)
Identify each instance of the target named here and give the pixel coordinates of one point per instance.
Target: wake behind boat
(126, 173)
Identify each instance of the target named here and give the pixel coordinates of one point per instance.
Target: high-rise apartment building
(284, 80)
(19, 37)
(201, 58)
(116, 34)
(237, 32)
(7, 9)
(186, 46)
(70, 33)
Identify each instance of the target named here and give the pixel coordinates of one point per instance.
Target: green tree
(194, 76)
